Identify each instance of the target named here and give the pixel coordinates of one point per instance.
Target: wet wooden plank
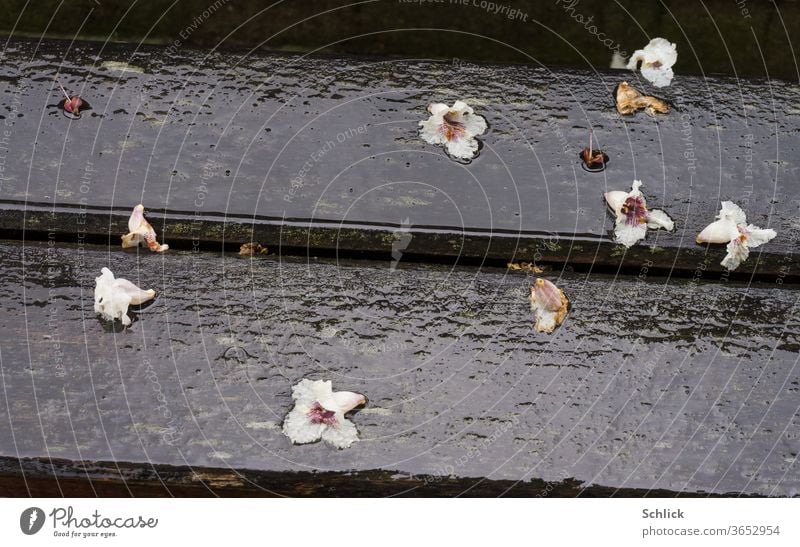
(551, 33)
(323, 154)
(651, 384)
(49, 477)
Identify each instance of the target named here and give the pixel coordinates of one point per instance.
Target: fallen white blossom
(455, 127)
(632, 216)
(731, 227)
(657, 58)
(140, 232)
(113, 296)
(549, 304)
(318, 413)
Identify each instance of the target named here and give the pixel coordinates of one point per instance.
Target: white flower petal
(137, 296)
(113, 296)
(731, 211)
(459, 107)
(545, 320)
(720, 231)
(662, 51)
(756, 236)
(473, 124)
(132, 240)
(111, 304)
(455, 127)
(618, 61)
(430, 131)
(549, 304)
(309, 396)
(731, 228)
(737, 253)
(657, 58)
(307, 392)
(136, 219)
(546, 295)
(347, 400)
(342, 435)
(438, 109)
(616, 199)
(299, 428)
(657, 218)
(659, 77)
(463, 149)
(627, 234)
(140, 232)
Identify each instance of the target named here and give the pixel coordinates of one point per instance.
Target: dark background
(747, 37)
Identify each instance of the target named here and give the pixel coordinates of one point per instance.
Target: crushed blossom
(451, 129)
(635, 210)
(593, 160)
(319, 415)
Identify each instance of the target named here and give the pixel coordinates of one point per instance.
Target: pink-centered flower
(731, 227)
(454, 127)
(318, 413)
(140, 232)
(656, 59)
(633, 218)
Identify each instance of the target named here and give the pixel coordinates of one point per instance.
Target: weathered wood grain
(651, 383)
(322, 153)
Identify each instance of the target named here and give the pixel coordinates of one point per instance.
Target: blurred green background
(741, 37)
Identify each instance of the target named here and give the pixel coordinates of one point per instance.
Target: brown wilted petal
(141, 232)
(252, 249)
(629, 100)
(593, 160)
(529, 267)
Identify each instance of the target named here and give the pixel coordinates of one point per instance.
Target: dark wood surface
(651, 384)
(212, 142)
